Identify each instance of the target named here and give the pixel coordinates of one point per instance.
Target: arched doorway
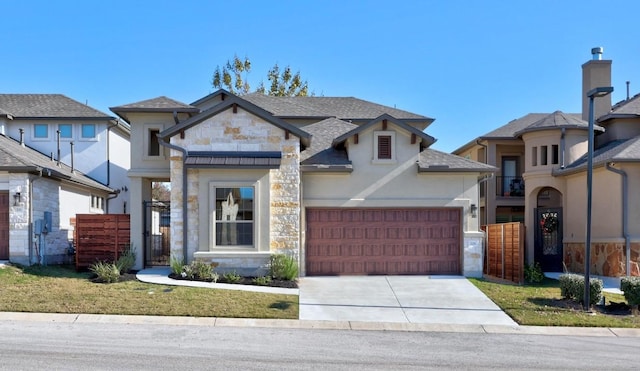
(548, 230)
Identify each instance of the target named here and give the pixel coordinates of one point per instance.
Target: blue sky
(472, 65)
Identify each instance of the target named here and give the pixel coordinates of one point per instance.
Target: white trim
(212, 216)
(95, 137)
(33, 132)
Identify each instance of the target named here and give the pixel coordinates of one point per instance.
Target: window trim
(376, 146)
(212, 216)
(544, 155)
(97, 203)
(81, 136)
(69, 138)
(36, 138)
(147, 128)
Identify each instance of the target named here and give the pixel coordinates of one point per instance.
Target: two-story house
(345, 185)
(70, 159)
(542, 181)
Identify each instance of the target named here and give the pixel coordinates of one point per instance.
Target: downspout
(562, 146)
(625, 214)
(184, 194)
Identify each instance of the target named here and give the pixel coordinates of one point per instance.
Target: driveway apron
(409, 299)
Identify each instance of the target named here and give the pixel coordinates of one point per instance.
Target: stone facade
(607, 259)
(241, 131)
(473, 254)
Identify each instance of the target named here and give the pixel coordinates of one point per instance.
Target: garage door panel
(383, 241)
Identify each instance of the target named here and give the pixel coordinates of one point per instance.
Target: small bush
(631, 288)
(197, 270)
(283, 267)
(177, 265)
(533, 273)
(106, 272)
(127, 260)
(262, 280)
(232, 277)
(572, 287)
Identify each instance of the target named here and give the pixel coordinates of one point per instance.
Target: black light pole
(592, 94)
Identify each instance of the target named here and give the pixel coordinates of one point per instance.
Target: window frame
(34, 132)
(544, 155)
(214, 222)
(97, 203)
(82, 137)
(148, 128)
(70, 137)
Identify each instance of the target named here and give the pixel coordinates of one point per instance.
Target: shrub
(262, 280)
(177, 265)
(106, 272)
(232, 277)
(127, 260)
(533, 273)
(572, 287)
(283, 267)
(197, 270)
(631, 288)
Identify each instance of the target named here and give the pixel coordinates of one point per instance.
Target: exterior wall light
(473, 210)
(16, 199)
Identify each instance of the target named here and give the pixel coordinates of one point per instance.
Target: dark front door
(4, 225)
(548, 239)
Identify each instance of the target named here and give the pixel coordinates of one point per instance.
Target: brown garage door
(383, 241)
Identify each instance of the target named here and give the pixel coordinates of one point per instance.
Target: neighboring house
(38, 196)
(68, 134)
(345, 185)
(542, 181)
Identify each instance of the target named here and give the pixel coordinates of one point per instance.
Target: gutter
(625, 213)
(184, 194)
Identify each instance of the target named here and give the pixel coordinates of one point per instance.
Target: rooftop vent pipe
(596, 53)
(21, 137)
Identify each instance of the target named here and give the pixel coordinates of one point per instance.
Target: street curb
(320, 325)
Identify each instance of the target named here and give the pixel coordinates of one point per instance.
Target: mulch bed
(244, 281)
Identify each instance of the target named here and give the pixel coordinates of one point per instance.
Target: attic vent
(384, 147)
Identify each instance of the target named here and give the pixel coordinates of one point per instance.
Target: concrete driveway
(409, 299)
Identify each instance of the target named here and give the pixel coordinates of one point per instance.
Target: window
(384, 150)
(154, 144)
(97, 202)
(534, 156)
(234, 216)
(66, 131)
(88, 131)
(543, 155)
(41, 131)
(554, 154)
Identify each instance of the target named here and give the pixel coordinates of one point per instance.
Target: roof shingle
(46, 106)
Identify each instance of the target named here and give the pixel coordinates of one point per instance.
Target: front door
(4, 225)
(548, 239)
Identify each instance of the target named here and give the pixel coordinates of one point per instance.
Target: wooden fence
(100, 238)
(505, 251)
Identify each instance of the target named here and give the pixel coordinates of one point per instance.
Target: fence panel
(100, 238)
(505, 251)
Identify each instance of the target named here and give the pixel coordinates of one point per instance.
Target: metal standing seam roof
(240, 160)
(17, 158)
(49, 106)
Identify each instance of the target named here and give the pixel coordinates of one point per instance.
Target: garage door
(383, 241)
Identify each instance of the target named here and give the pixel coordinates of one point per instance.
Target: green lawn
(56, 289)
(542, 305)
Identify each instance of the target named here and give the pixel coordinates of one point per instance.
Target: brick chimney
(596, 73)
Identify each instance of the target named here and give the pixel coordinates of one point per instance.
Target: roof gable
(232, 101)
(629, 108)
(158, 104)
(431, 160)
(427, 139)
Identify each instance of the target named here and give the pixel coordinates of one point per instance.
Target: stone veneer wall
(241, 131)
(472, 256)
(45, 198)
(607, 259)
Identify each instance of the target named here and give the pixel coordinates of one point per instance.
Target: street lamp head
(599, 91)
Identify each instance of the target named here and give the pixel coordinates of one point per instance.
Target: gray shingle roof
(345, 108)
(427, 139)
(431, 160)
(46, 106)
(159, 103)
(626, 108)
(557, 120)
(17, 158)
(321, 154)
(624, 150)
